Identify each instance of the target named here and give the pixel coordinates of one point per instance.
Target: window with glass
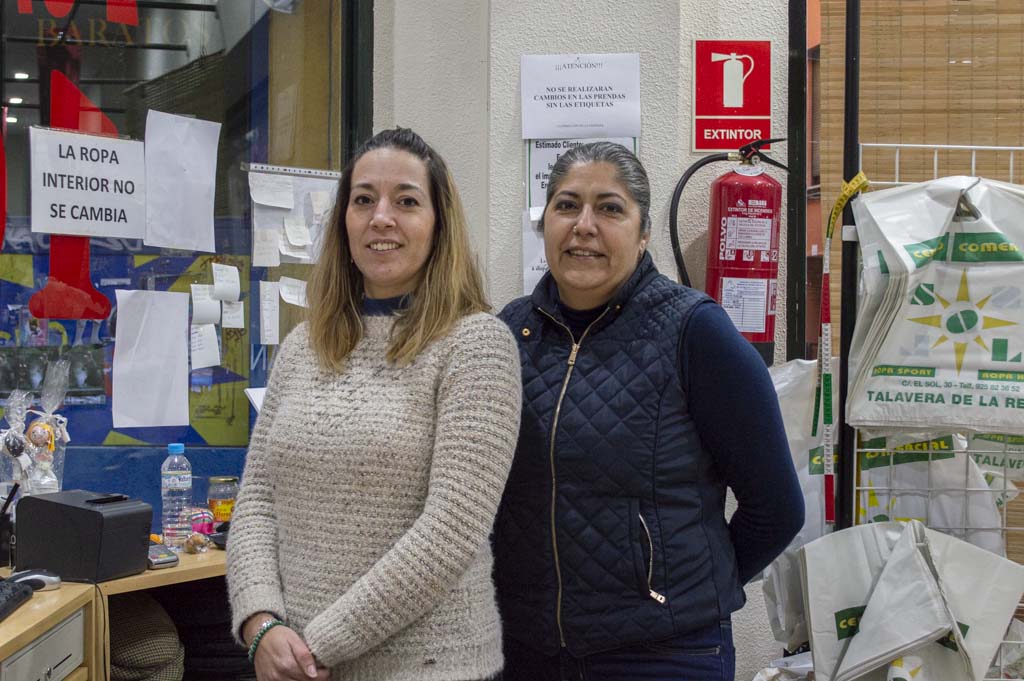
(270, 72)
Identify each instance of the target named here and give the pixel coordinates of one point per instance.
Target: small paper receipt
(225, 282)
(270, 306)
(234, 315)
(204, 345)
(270, 189)
(264, 247)
(205, 310)
(293, 291)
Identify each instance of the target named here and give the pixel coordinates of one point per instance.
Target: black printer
(83, 536)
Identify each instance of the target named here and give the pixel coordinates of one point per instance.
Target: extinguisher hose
(673, 212)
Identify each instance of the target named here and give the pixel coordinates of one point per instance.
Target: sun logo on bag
(905, 668)
(961, 321)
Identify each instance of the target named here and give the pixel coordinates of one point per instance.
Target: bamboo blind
(931, 72)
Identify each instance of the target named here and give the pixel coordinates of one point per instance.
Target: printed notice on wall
(580, 95)
(541, 157)
(87, 185)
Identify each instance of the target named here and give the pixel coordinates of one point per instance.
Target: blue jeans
(703, 655)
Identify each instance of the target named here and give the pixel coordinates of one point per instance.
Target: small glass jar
(221, 497)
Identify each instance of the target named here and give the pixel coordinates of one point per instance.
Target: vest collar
(545, 294)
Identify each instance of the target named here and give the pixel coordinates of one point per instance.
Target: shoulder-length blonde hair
(449, 286)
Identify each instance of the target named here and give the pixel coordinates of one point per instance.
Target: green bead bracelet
(264, 628)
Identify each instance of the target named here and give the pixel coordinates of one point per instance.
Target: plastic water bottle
(176, 496)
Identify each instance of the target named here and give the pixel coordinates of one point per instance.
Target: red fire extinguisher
(744, 221)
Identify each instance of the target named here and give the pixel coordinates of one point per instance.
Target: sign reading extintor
(732, 87)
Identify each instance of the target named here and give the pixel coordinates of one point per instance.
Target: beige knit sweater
(367, 500)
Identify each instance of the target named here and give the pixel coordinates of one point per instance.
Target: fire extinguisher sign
(732, 88)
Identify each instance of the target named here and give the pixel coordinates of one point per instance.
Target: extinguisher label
(753, 234)
(746, 302)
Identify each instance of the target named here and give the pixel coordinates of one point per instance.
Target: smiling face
(592, 237)
(390, 221)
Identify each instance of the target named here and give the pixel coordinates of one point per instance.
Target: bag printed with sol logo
(941, 344)
(919, 594)
(931, 480)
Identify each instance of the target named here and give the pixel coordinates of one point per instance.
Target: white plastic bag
(914, 583)
(795, 384)
(895, 481)
(938, 342)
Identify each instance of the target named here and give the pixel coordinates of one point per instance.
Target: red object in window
(59, 9)
(118, 11)
(123, 12)
(69, 293)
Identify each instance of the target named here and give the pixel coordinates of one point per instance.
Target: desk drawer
(52, 656)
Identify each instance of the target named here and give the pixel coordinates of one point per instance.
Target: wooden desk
(190, 567)
(47, 609)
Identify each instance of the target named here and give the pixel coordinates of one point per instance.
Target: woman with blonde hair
(359, 544)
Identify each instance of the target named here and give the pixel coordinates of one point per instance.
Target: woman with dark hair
(359, 543)
(642, 404)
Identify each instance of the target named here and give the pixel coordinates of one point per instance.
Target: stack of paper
(939, 338)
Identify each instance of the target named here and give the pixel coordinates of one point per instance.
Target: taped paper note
(297, 232)
(181, 173)
(265, 247)
(205, 347)
(321, 202)
(205, 310)
(225, 282)
(293, 291)
(298, 252)
(269, 310)
(270, 189)
(234, 315)
(150, 373)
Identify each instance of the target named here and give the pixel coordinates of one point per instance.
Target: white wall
(450, 70)
(430, 74)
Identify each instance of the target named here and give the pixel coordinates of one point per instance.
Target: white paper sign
(580, 95)
(150, 373)
(204, 345)
(542, 155)
(205, 310)
(87, 185)
(271, 189)
(293, 291)
(265, 244)
(297, 232)
(181, 172)
(234, 315)
(535, 264)
(225, 282)
(270, 308)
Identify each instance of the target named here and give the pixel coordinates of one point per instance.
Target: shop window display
(270, 77)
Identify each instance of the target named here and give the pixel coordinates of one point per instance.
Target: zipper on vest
(551, 453)
(650, 561)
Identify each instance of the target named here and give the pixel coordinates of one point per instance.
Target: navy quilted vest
(611, 530)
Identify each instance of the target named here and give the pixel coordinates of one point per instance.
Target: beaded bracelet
(264, 628)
